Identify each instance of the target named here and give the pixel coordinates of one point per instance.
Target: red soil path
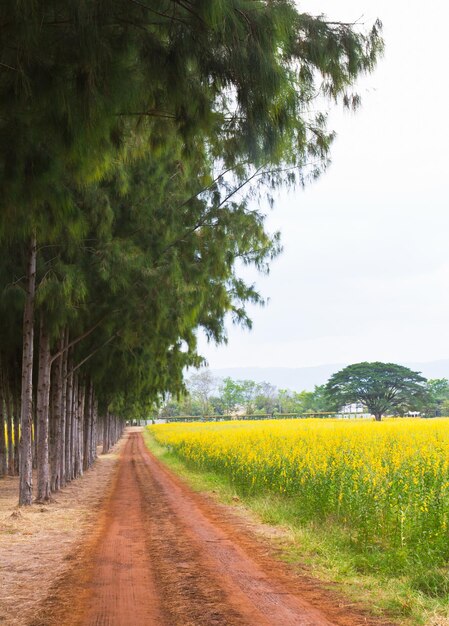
(165, 556)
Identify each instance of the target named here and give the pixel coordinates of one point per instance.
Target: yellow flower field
(387, 482)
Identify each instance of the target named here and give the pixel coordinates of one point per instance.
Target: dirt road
(165, 556)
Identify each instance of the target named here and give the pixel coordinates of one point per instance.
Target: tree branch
(91, 355)
(77, 340)
(9, 67)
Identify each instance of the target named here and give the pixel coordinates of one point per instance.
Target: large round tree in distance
(381, 387)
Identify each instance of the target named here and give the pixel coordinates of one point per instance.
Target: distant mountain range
(300, 378)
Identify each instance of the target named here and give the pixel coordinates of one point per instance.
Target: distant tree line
(380, 388)
(208, 395)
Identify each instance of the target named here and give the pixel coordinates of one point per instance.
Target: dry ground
(38, 543)
(130, 544)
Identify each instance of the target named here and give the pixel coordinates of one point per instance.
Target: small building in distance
(356, 409)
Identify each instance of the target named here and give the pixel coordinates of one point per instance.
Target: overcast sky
(365, 270)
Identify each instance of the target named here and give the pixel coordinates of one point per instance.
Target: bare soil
(38, 544)
(162, 555)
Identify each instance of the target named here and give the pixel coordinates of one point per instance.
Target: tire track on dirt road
(166, 556)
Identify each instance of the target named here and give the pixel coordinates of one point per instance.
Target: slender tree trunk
(74, 435)
(78, 436)
(10, 428)
(16, 435)
(106, 419)
(69, 426)
(3, 451)
(87, 427)
(75, 427)
(52, 424)
(114, 430)
(117, 429)
(43, 401)
(100, 421)
(34, 432)
(378, 417)
(81, 407)
(26, 472)
(55, 421)
(94, 428)
(56, 417)
(62, 458)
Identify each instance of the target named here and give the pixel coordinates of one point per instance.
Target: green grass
(327, 552)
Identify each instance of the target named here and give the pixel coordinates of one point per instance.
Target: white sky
(365, 270)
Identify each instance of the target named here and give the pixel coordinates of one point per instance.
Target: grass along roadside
(325, 551)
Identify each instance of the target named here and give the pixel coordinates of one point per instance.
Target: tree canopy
(436, 400)
(128, 135)
(133, 138)
(381, 387)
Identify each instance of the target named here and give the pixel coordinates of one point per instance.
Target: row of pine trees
(66, 438)
(135, 141)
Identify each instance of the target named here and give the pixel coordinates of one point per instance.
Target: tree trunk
(87, 427)
(34, 432)
(52, 426)
(10, 428)
(26, 475)
(56, 420)
(94, 428)
(106, 419)
(16, 435)
(3, 451)
(63, 451)
(75, 427)
(55, 424)
(74, 432)
(81, 407)
(69, 426)
(78, 431)
(43, 400)
(378, 417)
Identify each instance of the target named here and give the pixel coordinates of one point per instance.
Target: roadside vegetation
(365, 504)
